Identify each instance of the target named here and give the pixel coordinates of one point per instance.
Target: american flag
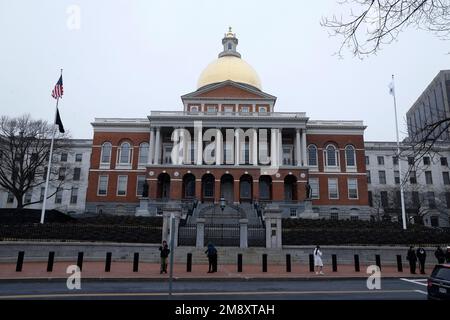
(58, 91)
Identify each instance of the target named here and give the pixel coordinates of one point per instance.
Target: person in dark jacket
(412, 258)
(164, 255)
(440, 255)
(211, 252)
(422, 256)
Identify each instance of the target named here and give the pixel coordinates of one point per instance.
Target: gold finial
(230, 33)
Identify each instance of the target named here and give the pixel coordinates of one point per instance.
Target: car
(439, 283)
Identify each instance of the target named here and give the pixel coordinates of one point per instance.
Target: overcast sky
(129, 57)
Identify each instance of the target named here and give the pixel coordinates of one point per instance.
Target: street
(321, 289)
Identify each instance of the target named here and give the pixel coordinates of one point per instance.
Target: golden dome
(229, 68)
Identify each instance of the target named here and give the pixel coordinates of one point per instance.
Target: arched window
(230, 46)
(312, 155)
(350, 156)
(125, 153)
(106, 153)
(143, 153)
(331, 156)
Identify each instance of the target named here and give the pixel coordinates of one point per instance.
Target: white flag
(392, 88)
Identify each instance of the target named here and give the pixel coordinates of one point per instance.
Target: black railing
(225, 235)
(187, 235)
(256, 236)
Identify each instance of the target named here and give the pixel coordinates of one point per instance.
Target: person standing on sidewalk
(164, 255)
(422, 256)
(211, 252)
(440, 255)
(412, 258)
(318, 263)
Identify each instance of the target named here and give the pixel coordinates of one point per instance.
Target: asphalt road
(325, 289)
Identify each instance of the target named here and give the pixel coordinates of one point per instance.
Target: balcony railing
(228, 114)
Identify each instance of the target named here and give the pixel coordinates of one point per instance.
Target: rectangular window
(333, 191)
(382, 176)
(352, 188)
(167, 155)
(431, 200)
(76, 174)
(446, 178)
(64, 157)
(228, 109)
(211, 109)
(287, 156)
(444, 161)
(62, 174)
(384, 199)
(58, 196)
(122, 182)
(293, 212)
(370, 198)
(74, 195)
(78, 157)
(426, 161)
(380, 160)
(245, 109)
(314, 184)
(395, 160)
(398, 199)
(41, 197)
(412, 177)
(102, 185)
(10, 198)
(369, 178)
(428, 177)
(410, 161)
(447, 199)
(28, 195)
(367, 160)
(140, 185)
(415, 199)
(397, 177)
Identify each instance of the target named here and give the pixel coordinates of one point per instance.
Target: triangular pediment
(228, 90)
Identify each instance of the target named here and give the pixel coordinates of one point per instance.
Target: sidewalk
(150, 271)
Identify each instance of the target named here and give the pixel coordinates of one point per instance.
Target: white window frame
(317, 156)
(312, 189)
(194, 108)
(262, 109)
(353, 167)
(211, 109)
(118, 185)
(143, 150)
(105, 164)
(228, 109)
(98, 185)
(137, 184)
(327, 166)
(72, 195)
(356, 188)
(337, 189)
(130, 155)
(245, 109)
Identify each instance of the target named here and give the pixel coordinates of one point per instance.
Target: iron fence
(256, 236)
(187, 235)
(224, 235)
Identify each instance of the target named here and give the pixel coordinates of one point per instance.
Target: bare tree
(373, 23)
(24, 151)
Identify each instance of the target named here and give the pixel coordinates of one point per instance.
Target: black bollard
(378, 260)
(311, 263)
(136, 262)
(288, 263)
(399, 263)
(51, 259)
(19, 264)
(264, 263)
(357, 263)
(334, 262)
(189, 263)
(108, 262)
(80, 260)
(239, 266)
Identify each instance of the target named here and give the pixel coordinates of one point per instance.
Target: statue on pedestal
(308, 191)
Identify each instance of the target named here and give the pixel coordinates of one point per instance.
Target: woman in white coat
(318, 264)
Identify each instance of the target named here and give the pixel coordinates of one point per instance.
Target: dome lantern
(230, 43)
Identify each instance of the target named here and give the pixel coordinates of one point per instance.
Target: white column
(298, 158)
(219, 147)
(157, 146)
(304, 159)
(176, 147)
(280, 143)
(200, 147)
(237, 147)
(255, 147)
(151, 148)
(274, 151)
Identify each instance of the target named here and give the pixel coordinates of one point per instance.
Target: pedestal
(309, 213)
(272, 218)
(142, 210)
(200, 240)
(171, 210)
(243, 233)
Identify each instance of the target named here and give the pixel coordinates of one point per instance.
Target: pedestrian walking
(164, 255)
(412, 258)
(421, 256)
(211, 252)
(440, 255)
(318, 263)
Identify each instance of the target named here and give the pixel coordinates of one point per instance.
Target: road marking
(415, 281)
(422, 292)
(160, 294)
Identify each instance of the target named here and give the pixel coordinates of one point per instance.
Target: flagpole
(402, 195)
(44, 202)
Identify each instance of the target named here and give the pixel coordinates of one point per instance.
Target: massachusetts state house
(227, 145)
